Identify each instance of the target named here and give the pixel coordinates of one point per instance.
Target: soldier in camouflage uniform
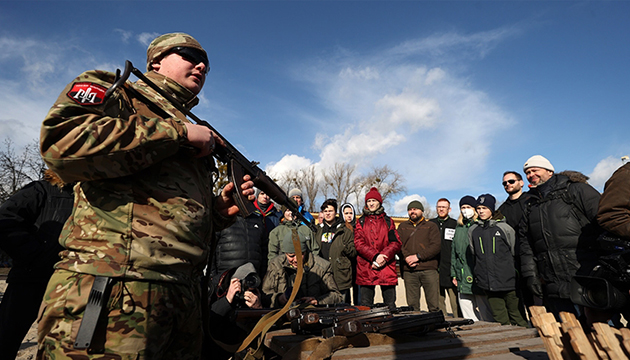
(143, 214)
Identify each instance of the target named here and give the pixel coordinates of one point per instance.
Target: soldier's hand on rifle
(202, 138)
(225, 204)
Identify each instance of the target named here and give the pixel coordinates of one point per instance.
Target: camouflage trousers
(145, 320)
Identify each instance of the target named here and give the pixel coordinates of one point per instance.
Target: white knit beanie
(538, 161)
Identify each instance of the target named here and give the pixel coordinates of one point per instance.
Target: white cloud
(145, 38)
(391, 109)
(400, 206)
(124, 35)
(603, 170)
(288, 162)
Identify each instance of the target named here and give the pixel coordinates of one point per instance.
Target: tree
(19, 169)
(388, 182)
(341, 181)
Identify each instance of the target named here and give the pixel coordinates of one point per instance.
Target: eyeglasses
(511, 181)
(193, 55)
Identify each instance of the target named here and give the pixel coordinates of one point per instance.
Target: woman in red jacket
(377, 244)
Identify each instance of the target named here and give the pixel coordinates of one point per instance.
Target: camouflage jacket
(144, 204)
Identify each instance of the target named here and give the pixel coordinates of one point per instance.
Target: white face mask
(468, 213)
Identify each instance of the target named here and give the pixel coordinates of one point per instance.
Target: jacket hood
(575, 176)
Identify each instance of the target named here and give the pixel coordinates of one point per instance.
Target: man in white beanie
(557, 233)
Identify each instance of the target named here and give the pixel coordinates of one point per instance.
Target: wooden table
(482, 340)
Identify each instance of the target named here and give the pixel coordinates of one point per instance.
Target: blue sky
(448, 93)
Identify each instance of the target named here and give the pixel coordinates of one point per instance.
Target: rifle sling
(268, 320)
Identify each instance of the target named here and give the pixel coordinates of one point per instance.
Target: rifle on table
(377, 320)
(238, 165)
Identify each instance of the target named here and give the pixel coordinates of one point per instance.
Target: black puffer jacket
(30, 223)
(245, 241)
(558, 232)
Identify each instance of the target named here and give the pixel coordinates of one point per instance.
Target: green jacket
(317, 281)
(463, 260)
(144, 207)
(342, 254)
(279, 232)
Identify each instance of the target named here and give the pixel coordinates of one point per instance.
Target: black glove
(534, 286)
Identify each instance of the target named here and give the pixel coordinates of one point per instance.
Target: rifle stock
(238, 164)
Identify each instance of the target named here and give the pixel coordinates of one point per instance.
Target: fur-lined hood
(575, 176)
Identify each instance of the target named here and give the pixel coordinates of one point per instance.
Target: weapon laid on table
(382, 320)
(238, 165)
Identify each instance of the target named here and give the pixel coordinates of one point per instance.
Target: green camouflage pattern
(144, 204)
(145, 320)
(162, 44)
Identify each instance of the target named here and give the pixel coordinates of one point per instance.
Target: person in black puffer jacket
(245, 241)
(557, 234)
(30, 223)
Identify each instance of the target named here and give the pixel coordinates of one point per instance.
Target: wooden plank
(606, 338)
(625, 336)
(398, 352)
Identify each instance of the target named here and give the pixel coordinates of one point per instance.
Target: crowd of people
(127, 215)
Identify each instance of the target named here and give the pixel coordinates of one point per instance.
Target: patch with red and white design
(87, 93)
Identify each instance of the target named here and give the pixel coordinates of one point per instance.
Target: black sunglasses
(193, 55)
(511, 181)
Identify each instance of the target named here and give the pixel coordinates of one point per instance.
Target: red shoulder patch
(87, 93)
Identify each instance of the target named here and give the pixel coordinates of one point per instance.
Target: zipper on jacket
(494, 245)
(481, 245)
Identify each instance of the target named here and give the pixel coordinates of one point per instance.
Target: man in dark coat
(513, 209)
(557, 233)
(447, 227)
(30, 223)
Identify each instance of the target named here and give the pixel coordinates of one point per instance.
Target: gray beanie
(295, 192)
(538, 161)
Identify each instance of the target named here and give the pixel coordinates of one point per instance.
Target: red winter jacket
(372, 238)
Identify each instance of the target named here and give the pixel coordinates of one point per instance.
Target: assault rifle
(238, 165)
(349, 322)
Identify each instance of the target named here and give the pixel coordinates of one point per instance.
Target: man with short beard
(513, 209)
(514, 205)
(420, 251)
(557, 233)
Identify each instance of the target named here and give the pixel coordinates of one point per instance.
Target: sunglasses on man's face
(511, 181)
(193, 55)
